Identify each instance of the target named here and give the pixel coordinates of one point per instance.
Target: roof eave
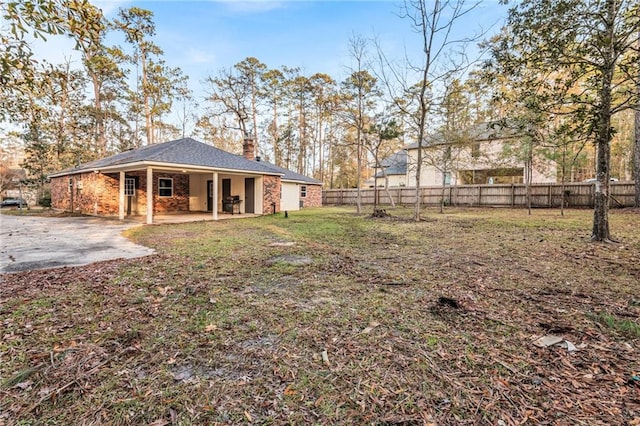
(304, 182)
(164, 166)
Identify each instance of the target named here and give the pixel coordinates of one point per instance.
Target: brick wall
(271, 194)
(91, 193)
(180, 200)
(314, 196)
(59, 200)
(99, 194)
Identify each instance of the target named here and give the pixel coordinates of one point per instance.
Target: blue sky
(201, 37)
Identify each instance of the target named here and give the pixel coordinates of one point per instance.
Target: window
(165, 187)
(475, 150)
(303, 191)
(129, 187)
(447, 178)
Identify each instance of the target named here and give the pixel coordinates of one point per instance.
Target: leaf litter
(385, 322)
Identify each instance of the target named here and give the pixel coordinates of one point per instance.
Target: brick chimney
(248, 149)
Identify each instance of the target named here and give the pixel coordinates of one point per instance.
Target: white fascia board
(141, 165)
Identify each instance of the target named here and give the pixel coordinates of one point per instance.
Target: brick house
(186, 176)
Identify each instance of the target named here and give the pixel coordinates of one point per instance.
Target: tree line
(562, 75)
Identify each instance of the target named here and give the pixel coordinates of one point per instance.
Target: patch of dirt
(290, 259)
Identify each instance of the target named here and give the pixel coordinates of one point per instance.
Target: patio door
(249, 195)
(210, 195)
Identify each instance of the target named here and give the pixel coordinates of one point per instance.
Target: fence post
(480, 195)
(550, 200)
(513, 195)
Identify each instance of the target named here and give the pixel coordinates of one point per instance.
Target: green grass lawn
(328, 317)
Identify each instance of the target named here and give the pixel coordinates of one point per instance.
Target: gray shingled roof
(477, 133)
(395, 164)
(182, 152)
(288, 175)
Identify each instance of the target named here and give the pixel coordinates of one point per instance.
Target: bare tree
(230, 97)
(360, 84)
(407, 80)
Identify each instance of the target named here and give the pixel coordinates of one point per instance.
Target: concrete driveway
(31, 242)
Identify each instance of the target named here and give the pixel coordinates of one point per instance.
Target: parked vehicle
(13, 202)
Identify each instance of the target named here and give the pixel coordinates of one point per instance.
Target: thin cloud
(252, 6)
(198, 56)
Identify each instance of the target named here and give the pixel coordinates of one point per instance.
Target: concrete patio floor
(35, 242)
(161, 219)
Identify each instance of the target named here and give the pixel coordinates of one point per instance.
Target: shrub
(45, 199)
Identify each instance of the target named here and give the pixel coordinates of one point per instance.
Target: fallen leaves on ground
(387, 321)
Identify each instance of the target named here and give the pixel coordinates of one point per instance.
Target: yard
(331, 318)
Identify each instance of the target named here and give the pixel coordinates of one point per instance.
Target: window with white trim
(165, 187)
(129, 187)
(303, 191)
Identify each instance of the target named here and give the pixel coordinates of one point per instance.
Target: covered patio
(186, 192)
(180, 177)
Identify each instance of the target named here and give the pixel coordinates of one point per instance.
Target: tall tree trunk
(528, 174)
(145, 98)
(442, 190)
(254, 117)
(359, 145)
(428, 35)
(603, 137)
(386, 188)
(359, 170)
(276, 150)
(375, 182)
(563, 179)
(321, 149)
(302, 149)
(636, 153)
(101, 140)
(636, 156)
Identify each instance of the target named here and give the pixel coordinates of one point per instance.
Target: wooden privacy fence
(542, 195)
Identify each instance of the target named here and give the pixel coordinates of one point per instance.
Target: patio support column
(121, 197)
(149, 195)
(215, 196)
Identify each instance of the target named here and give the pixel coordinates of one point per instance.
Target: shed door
(249, 195)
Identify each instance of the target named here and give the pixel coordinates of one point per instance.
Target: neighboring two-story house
(485, 156)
